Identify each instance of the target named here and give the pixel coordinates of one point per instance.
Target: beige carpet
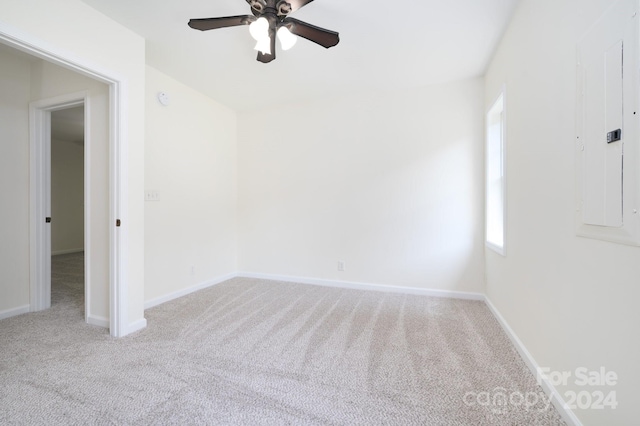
(257, 352)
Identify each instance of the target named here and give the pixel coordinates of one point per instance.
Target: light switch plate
(151, 195)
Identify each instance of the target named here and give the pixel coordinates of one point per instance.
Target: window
(495, 201)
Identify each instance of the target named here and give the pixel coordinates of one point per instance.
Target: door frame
(40, 198)
(118, 165)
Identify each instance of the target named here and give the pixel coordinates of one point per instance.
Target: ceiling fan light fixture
(287, 38)
(264, 45)
(259, 29)
(270, 20)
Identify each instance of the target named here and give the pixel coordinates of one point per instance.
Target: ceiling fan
(271, 17)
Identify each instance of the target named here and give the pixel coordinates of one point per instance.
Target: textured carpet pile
(256, 352)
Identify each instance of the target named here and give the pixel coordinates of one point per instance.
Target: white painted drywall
(67, 196)
(190, 158)
(389, 183)
(14, 182)
(572, 301)
(72, 29)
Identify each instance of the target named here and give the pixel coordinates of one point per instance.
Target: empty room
(319, 212)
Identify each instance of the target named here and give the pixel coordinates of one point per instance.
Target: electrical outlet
(340, 266)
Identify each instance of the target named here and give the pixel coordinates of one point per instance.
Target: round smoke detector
(163, 98)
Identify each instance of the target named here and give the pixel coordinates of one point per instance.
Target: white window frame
(499, 104)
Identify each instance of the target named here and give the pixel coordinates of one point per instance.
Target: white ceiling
(383, 46)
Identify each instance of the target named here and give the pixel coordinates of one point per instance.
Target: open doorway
(67, 209)
(39, 80)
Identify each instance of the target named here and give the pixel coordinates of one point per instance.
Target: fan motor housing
(281, 8)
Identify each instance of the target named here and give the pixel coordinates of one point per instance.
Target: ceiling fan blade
(215, 23)
(297, 4)
(325, 38)
(265, 59)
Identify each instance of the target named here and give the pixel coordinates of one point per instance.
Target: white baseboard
(99, 321)
(136, 326)
(68, 251)
(366, 286)
(313, 281)
(176, 294)
(556, 398)
(15, 311)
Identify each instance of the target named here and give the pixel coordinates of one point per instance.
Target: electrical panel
(607, 127)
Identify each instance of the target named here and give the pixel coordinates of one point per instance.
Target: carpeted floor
(258, 352)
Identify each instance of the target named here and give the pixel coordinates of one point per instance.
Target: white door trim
(118, 192)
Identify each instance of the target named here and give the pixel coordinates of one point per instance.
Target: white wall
(14, 157)
(73, 30)
(67, 196)
(390, 184)
(572, 301)
(190, 158)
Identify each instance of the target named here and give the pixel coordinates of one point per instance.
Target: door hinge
(118, 222)
(47, 219)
